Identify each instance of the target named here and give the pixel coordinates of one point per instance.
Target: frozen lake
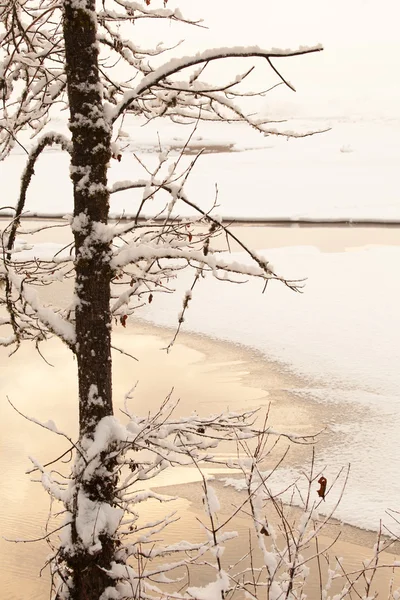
(349, 172)
(339, 340)
(332, 352)
(341, 337)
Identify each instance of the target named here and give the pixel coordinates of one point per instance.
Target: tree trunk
(90, 157)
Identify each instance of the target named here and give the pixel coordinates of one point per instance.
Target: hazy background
(357, 75)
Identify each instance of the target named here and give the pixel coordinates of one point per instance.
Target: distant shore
(231, 220)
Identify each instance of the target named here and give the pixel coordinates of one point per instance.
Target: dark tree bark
(90, 157)
(83, 563)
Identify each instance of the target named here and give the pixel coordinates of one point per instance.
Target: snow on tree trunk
(90, 157)
(89, 161)
(46, 54)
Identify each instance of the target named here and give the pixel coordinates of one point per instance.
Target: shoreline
(208, 375)
(306, 222)
(352, 546)
(326, 237)
(259, 372)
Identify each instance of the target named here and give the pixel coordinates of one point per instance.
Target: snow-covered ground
(350, 172)
(343, 333)
(341, 336)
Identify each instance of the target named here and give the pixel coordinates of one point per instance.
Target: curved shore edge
(208, 375)
(271, 385)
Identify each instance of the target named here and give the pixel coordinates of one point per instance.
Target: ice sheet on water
(306, 178)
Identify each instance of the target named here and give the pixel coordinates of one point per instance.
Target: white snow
(211, 502)
(56, 323)
(176, 64)
(95, 518)
(342, 335)
(213, 590)
(297, 179)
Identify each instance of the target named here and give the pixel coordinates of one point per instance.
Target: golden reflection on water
(50, 393)
(207, 376)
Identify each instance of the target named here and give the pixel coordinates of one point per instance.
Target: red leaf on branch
(123, 319)
(322, 489)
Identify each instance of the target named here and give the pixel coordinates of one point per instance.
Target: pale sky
(357, 74)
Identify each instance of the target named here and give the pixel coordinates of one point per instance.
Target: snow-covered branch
(33, 309)
(178, 64)
(49, 139)
(71, 53)
(32, 75)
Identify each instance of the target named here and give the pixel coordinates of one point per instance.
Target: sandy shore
(207, 376)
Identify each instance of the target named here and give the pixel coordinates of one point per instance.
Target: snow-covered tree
(82, 56)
